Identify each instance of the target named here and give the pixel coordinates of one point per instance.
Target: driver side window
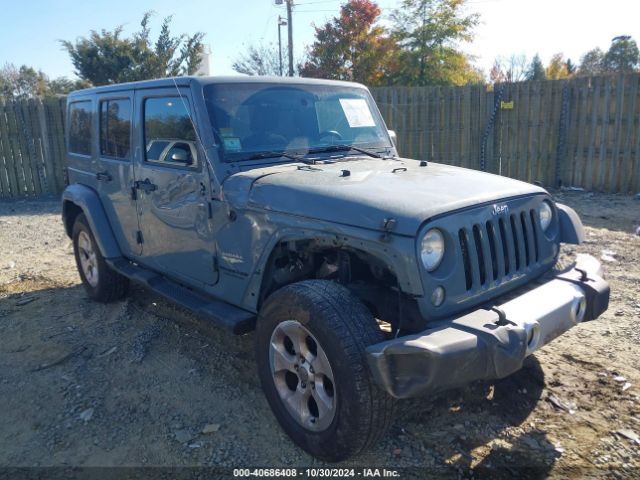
(168, 132)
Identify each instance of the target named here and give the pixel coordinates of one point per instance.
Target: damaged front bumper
(490, 343)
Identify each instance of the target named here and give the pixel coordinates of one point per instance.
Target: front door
(172, 189)
(115, 168)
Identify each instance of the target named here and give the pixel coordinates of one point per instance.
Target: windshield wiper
(274, 153)
(345, 147)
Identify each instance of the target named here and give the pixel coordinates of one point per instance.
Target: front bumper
(490, 343)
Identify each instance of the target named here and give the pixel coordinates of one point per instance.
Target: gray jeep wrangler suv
(281, 206)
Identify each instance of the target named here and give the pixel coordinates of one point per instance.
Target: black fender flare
(88, 201)
(571, 229)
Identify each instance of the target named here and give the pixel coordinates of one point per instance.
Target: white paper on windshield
(357, 112)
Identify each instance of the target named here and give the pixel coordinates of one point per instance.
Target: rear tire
(101, 282)
(321, 324)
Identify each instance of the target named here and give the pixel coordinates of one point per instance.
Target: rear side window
(80, 128)
(168, 132)
(115, 128)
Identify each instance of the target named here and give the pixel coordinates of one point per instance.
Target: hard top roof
(189, 80)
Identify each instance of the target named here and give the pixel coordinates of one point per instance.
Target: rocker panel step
(234, 319)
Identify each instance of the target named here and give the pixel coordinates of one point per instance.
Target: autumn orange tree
(352, 47)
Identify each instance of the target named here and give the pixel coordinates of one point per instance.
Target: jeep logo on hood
(500, 209)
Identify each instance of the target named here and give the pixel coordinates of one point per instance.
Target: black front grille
(499, 248)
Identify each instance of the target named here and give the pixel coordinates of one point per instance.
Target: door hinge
(139, 239)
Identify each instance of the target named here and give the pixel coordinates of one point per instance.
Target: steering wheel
(332, 134)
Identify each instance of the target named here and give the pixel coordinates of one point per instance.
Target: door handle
(145, 185)
(104, 176)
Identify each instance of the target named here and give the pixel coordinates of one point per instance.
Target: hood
(373, 190)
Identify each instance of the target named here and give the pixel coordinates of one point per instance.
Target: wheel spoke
(298, 337)
(281, 359)
(323, 400)
(320, 364)
(83, 242)
(297, 402)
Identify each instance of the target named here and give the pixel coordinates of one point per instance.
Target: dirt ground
(135, 383)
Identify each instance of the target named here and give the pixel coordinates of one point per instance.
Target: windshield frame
(384, 145)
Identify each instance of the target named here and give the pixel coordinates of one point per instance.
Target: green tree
(591, 63)
(261, 60)
(536, 69)
(26, 82)
(623, 56)
(63, 86)
(351, 46)
(107, 57)
(571, 67)
(20, 83)
(429, 33)
(557, 68)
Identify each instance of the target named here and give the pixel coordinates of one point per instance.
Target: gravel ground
(143, 383)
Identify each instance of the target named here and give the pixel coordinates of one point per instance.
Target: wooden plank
(633, 170)
(402, 119)
(444, 125)
(552, 142)
(626, 169)
(612, 166)
(603, 134)
(522, 143)
(5, 156)
(596, 105)
(452, 127)
(456, 141)
(572, 132)
(47, 155)
(433, 123)
(465, 137)
(636, 169)
(450, 132)
(23, 139)
(579, 166)
(32, 152)
(441, 126)
(34, 128)
(534, 132)
(494, 142)
(56, 112)
(416, 127)
(510, 163)
(16, 150)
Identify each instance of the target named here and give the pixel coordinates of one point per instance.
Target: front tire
(310, 344)
(100, 281)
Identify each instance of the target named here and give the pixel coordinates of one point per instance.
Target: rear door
(173, 188)
(115, 173)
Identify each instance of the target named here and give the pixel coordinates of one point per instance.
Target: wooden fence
(583, 132)
(31, 147)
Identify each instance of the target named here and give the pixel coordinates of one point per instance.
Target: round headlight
(432, 249)
(546, 214)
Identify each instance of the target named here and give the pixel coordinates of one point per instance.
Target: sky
(31, 29)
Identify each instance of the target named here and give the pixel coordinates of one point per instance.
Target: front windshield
(250, 119)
